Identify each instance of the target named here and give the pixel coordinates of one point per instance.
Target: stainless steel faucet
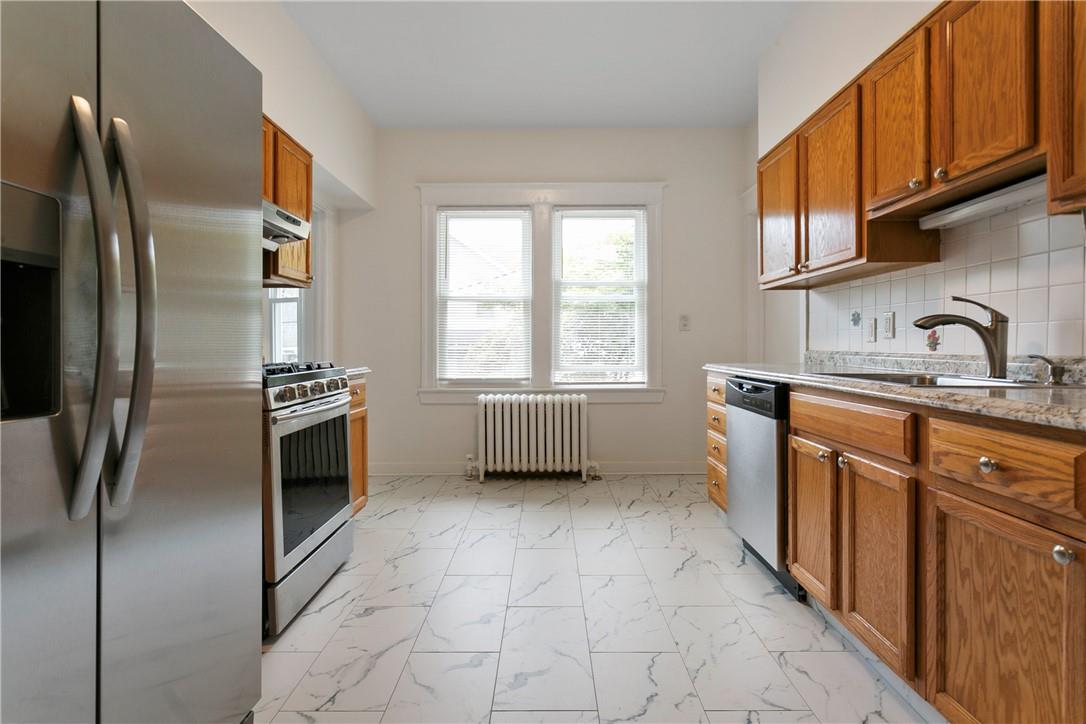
(992, 335)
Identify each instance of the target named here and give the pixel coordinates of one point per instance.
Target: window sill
(596, 395)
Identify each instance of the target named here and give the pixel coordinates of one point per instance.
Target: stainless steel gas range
(307, 483)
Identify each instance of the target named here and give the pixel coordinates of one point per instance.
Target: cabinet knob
(823, 456)
(914, 183)
(842, 461)
(805, 266)
(715, 390)
(987, 465)
(716, 419)
(716, 448)
(1062, 555)
(940, 173)
(715, 483)
(793, 268)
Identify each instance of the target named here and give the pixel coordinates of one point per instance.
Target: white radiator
(533, 434)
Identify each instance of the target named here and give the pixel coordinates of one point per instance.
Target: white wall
(821, 47)
(702, 274)
(300, 92)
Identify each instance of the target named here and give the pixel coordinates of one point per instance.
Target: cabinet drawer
(878, 429)
(716, 418)
(717, 448)
(714, 390)
(358, 395)
(716, 484)
(1048, 474)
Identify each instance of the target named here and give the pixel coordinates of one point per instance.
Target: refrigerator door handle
(143, 246)
(109, 300)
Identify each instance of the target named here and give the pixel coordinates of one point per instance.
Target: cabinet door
(877, 560)
(269, 159)
(895, 123)
(716, 484)
(812, 518)
(359, 459)
(293, 177)
(1066, 110)
(984, 82)
(1005, 635)
(829, 171)
(778, 213)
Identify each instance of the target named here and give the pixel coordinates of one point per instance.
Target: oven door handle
(337, 401)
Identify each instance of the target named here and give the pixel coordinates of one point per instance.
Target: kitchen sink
(913, 379)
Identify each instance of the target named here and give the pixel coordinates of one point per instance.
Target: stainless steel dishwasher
(758, 471)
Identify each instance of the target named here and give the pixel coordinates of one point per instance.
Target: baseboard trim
(674, 467)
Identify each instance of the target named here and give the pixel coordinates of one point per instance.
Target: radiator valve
(471, 470)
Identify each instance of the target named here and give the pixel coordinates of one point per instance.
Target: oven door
(310, 480)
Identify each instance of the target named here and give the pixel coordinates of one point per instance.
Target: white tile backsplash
(1028, 265)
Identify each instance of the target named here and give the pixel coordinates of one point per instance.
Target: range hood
(281, 227)
(1011, 197)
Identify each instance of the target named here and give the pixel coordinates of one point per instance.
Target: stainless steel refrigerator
(131, 337)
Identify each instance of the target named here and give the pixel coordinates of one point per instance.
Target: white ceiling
(546, 64)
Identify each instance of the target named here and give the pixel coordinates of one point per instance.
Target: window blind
(484, 293)
(600, 283)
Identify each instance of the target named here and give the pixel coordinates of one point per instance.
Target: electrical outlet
(889, 325)
(871, 329)
(684, 322)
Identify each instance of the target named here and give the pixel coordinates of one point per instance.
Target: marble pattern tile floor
(552, 601)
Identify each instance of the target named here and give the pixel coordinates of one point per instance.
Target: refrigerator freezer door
(181, 561)
(48, 562)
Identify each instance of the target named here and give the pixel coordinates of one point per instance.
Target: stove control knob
(280, 395)
(344, 383)
(332, 384)
(303, 390)
(317, 388)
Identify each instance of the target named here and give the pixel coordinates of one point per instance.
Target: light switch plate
(684, 322)
(871, 329)
(889, 325)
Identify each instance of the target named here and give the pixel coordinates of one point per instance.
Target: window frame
(543, 199)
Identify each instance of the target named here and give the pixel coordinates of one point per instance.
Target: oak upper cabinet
(1065, 46)
(829, 172)
(268, 129)
(983, 85)
(1005, 635)
(894, 100)
(778, 212)
(812, 518)
(878, 548)
(288, 173)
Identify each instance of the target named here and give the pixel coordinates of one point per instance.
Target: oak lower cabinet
(1005, 606)
(716, 423)
(878, 553)
(359, 441)
(812, 518)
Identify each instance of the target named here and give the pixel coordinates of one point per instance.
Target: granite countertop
(1054, 406)
(356, 373)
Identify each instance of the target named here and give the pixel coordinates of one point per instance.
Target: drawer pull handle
(716, 419)
(823, 456)
(715, 483)
(842, 461)
(987, 465)
(715, 390)
(716, 448)
(1062, 555)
